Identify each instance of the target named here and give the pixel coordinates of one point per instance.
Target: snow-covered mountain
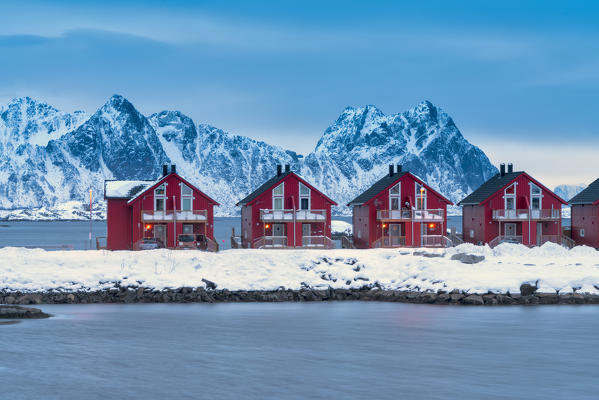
(566, 192)
(48, 157)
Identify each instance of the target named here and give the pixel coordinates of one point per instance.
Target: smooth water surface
(331, 350)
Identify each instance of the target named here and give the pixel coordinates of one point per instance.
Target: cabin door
(160, 234)
(278, 231)
(539, 233)
(395, 234)
(510, 230)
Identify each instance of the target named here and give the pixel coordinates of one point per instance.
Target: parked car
(149, 244)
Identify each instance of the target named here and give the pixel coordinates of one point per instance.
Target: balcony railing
(435, 241)
(525, 214)
(274, 241)
(170, 215)
(430, 215)
(317, 242)
(505, 239)
(390, 241)
(289, 215)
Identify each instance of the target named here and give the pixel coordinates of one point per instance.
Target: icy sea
(331, 350)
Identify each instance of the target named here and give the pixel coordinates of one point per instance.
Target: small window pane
(186, 190)
(304, 189)
(395, 189)
(395, 203)
(186, 205)
(159, 204)
(278, 204)
(536, 203)
(278, 190)
(304, 204)
(510, 204)
(582, 233)
(510, 189)
(159, 190)
(187, 229)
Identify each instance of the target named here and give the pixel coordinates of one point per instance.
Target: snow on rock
(338, 226)
(505, 268)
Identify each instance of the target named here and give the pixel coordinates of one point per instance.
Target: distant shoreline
(200, 295)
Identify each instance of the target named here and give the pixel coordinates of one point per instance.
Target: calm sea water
(333, 350)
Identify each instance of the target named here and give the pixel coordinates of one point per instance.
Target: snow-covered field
(504, 269)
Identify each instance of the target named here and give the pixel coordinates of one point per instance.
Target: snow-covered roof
(124, 189)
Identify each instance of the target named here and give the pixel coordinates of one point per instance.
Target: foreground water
(331, 350)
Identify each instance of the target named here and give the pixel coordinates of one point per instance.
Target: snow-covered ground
(504, 269)
(338, 226)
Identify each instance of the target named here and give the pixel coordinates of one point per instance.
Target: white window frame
(304, 196)
(160, 197)
(422, 197)
(534, 196)
(186, 196)
(278, 196)
(395, 196)
(581, 232)
(471, 233)
(507, 196)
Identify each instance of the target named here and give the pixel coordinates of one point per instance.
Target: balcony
(270, 242)
(526, 214)
(268, 215)
(436, 215)
(321, 242)
(171, 216)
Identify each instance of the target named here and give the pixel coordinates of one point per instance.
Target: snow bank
(338, 226)
(504, 269)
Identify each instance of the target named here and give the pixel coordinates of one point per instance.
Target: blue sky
(520, 79)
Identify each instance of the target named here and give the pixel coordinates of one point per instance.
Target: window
(420, 197)
(304, 192)
(187, 229)
(581, 232)
(186, 197)
(395, 197)
(160, 198)
(278, 194)
(471, 233)
(509, 196)
(535, 197)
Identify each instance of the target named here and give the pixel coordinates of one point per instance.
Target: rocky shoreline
(18, 312)
(527, 296)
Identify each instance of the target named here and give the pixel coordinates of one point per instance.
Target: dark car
(149, 244)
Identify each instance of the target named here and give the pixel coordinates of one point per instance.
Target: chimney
(287, 168)
(279, 169)
(390, 169)
(399, 168)
(510, 168)
(502, 169)
(164, 170)
(173, 169)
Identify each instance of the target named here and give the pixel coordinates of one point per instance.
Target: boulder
(473, 300)
(18, 312)
(526, 289)
(426, 254)
(468, 258)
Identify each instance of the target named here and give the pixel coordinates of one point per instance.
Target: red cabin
(286, 211)
(585, 216)
(399, 210)
(512, 207)
(168, 212)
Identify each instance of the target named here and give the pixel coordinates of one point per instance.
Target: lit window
(420, 197)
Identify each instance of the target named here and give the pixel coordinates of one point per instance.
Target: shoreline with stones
(126, 295)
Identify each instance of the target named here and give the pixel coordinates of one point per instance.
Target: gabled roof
(114, 189)
(154, 184)
(490, 187)
(272, 182)
(387, 181)
(590, 195)
(497, 183)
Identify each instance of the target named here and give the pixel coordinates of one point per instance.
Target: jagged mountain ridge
(118, 142)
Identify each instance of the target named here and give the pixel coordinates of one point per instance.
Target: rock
(70, 297)
(474, 300)
(468, 258)
(9, 300)
(429, 255)
(17, 312)
(209, 284)
(526, 289)
(455, 297)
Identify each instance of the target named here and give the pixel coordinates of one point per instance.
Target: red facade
(518, 209)
(399, 210)
(286, 212)
(585, 224)
(170, 212)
